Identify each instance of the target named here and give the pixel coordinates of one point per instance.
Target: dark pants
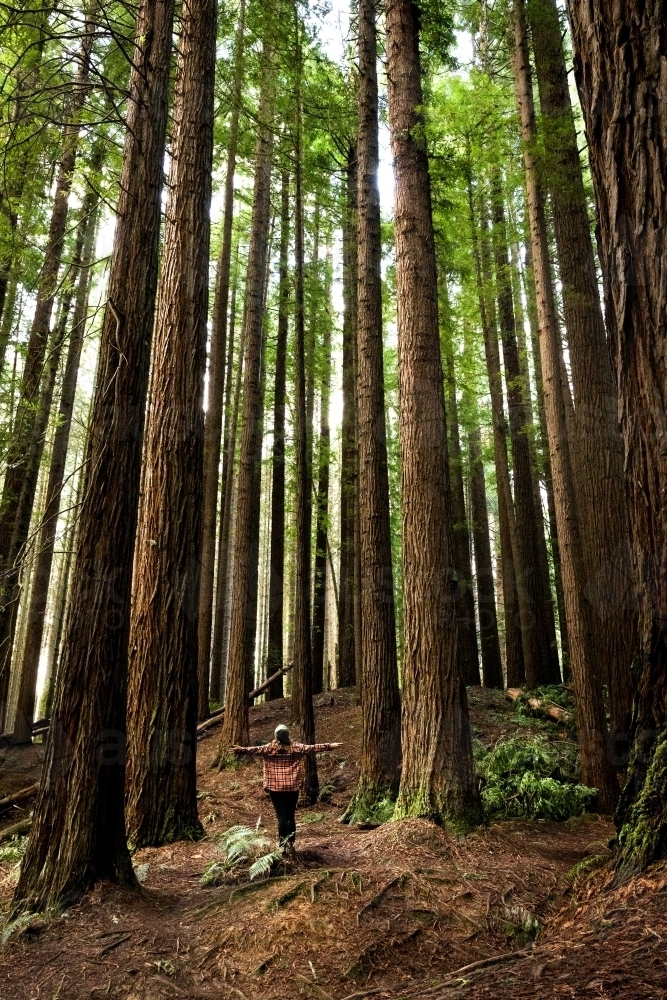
(285, 805)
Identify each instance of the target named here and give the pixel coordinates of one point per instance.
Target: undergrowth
(241, 847)
(533, 778)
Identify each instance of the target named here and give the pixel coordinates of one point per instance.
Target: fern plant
(532, 778)
(240, 845)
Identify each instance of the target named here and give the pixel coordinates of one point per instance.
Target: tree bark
(348, 474)
(216, 387)
(245, 569)
(277, 559)
(540, 658)
(468, 653)
(18, 492)
(380, 700)
(619, 66)
(302, 674)
(597, 771)
(47, 533)
(220, 636)
(492, 668)
(78, 832)
(162, 689)
(437, 779)
(600, 474)
(322, 501)
(508, 544)
(529, 287)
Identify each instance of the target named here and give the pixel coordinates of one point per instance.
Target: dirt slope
(393, 912)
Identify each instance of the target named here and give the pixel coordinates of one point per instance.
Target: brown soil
(393, 912)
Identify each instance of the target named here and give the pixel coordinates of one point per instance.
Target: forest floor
(402, 911)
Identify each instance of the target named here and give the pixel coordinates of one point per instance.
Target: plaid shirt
(282, 763)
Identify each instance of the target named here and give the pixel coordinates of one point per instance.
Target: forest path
(390, 912)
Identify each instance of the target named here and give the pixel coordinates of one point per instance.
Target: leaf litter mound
(402, 911)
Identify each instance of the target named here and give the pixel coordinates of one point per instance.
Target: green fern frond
(263, 865)
(240, 843)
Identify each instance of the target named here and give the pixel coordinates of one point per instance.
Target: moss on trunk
(643, 837)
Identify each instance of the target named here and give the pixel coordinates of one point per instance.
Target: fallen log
(17, 828)
(16, 797)
(547, 709)
(216, 717)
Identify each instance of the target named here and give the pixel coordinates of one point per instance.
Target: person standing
(282, 761)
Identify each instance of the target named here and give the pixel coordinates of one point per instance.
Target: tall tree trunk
(437, 779)
(277, 560)
(26, 556)
(312, 296)
(596, 766)
(468, 653)
(600, 474)
(20, 481)
(348, 473)
(492, 668)
(47, 534)
(380, 701)
(529, 287)
(302, 674)
(45, 709)
(245, 569)
(507, 524)
(540, 658)
(162, 688)
(322, 502)
(620, 57)
(216, 387)
(228, 495)
(78, 832)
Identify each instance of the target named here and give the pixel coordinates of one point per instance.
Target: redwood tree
(47, 533)
(78, 833)
(322, 498)
(538, 634)
(596, 766)
(219, 646)
(245, 570)
(162, 691)
(626, 122)
(380, 702)
(347, 666)
(216, 387)
(302, 697)
(468, 652)
(274, 659)
(437, 778)
(492, 668)
(506, 521)
(598, 446)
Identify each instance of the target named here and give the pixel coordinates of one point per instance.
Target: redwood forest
(333, 499)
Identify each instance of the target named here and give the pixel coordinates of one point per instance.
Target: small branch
(216, 717)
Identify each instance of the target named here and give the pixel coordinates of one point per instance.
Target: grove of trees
(345, 368)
